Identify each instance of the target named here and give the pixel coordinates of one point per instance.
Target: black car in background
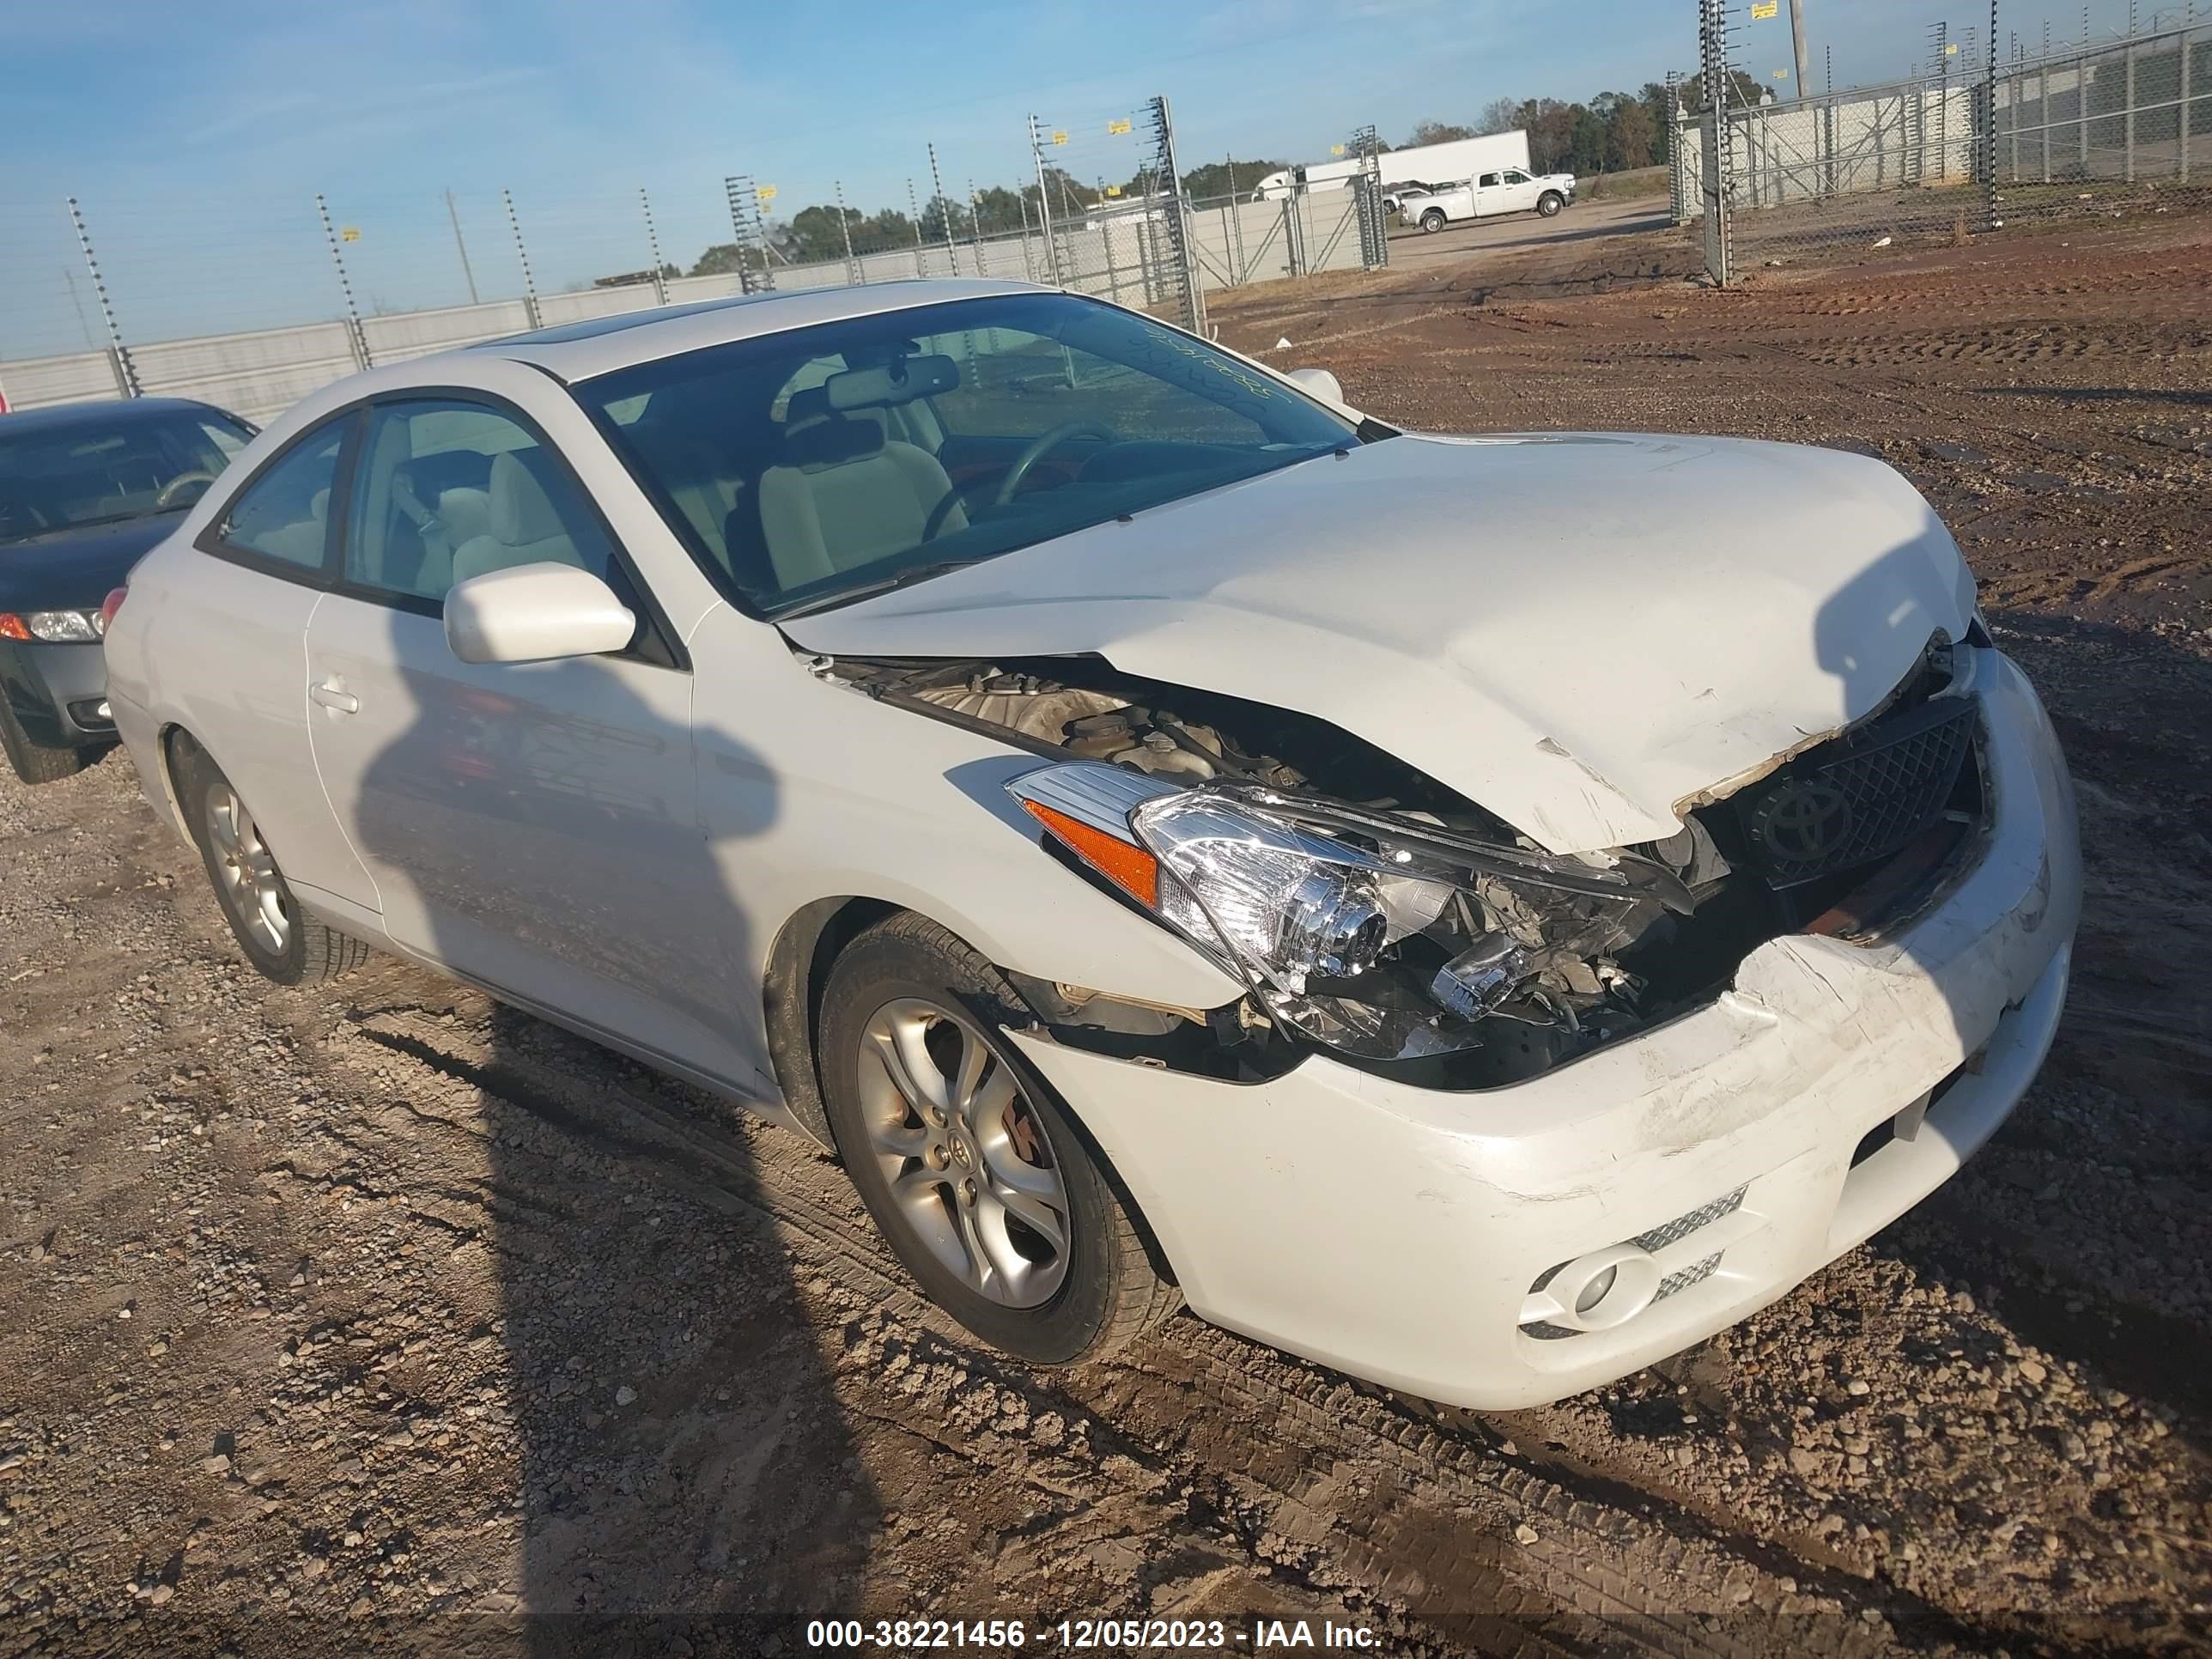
(84, 489)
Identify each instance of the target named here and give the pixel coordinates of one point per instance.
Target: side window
(1515, 176)
(1489, 180)
(284, 513)
(447, 490)
(226, 439)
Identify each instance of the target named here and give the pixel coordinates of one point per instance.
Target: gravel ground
(379, 1318)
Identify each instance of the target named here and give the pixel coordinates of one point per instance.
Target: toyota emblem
(1805, 820)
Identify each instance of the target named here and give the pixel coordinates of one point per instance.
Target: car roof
(102, 413)
(579, 351)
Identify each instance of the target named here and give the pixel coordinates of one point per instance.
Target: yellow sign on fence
(1113, 127)
(1763, 9)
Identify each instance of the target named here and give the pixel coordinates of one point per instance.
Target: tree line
(1612, 132)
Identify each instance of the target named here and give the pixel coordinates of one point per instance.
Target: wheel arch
(798, 973)
(167, 740)
(792, 987)
(791, 996)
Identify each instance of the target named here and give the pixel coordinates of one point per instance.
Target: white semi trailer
(1432, 166)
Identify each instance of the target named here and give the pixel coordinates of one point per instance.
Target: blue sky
(195, 139)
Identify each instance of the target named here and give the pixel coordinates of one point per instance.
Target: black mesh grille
(1861, 797)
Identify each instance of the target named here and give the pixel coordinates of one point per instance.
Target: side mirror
(531, 613)
(1320, 383)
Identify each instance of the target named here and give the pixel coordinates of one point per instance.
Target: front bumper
(56, 691)
(1397, 1233)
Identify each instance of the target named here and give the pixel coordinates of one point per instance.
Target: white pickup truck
(1510, 189)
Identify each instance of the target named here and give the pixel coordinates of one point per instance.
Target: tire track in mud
(1351, 1494)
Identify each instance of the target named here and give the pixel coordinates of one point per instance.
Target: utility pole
(652, 243)
(945, 211)
(844, 225)
(454, 213)
(1044, 202)
(1797, 40)
(126, 372)
(920, 266)
(345, 284)
(521, 253)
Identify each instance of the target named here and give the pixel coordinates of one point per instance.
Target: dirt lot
(380, 1319)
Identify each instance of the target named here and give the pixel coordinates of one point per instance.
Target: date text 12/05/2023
(1118, 1635)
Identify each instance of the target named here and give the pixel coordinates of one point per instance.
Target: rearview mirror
(531, 613)
(1320, 383)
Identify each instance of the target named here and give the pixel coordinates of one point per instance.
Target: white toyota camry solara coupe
(1482, 913)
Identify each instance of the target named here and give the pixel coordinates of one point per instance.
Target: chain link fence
(252, 306)
(1998, 139)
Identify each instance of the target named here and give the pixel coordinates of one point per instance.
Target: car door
(1489, 195)
(531, 825)
(1516, 191)
(229, 648)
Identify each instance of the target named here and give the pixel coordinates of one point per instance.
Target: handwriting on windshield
(1225, 367)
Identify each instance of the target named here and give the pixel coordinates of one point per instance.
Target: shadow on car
(685, 1469)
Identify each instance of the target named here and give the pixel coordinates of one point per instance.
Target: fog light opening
(1604, 1289)
(1596, 1290)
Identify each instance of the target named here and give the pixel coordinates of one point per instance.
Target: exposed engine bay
(1403, 927)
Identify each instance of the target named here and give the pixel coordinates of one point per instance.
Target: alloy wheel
(247, 871)
(965, 1152)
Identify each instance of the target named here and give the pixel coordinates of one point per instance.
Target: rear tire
(280, 939)
(957, 1146)
(37, 762)
(1550, 203)
(1432, 221)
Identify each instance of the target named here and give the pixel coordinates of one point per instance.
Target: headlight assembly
(1371, 933)
(53, 626)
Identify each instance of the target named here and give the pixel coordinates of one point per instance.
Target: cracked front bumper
(1396, 1233)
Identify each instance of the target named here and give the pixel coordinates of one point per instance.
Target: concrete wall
(1120, 256)
(1848, 144)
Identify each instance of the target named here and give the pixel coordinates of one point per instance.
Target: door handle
(332, 694)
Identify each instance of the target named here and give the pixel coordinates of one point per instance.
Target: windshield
(108, 467)
(818, 464)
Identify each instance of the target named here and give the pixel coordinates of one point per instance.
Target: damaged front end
(1380, 917)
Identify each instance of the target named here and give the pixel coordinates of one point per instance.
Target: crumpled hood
(1582, 632)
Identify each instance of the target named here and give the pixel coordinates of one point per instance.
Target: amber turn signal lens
(1130, 868)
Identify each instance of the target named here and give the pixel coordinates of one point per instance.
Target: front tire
(986, 1190)
(279, 938)
(37, 762)
(1432, 221)
(1550, 203)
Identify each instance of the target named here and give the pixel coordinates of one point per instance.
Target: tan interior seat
(687, 429)
(301, 541)
(844, 495)
(465, 513)
(522, 526)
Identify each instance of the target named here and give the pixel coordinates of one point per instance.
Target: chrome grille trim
(1683, 1225)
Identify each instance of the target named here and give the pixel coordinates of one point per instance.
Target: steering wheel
(165, 497)
(1041, 446)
